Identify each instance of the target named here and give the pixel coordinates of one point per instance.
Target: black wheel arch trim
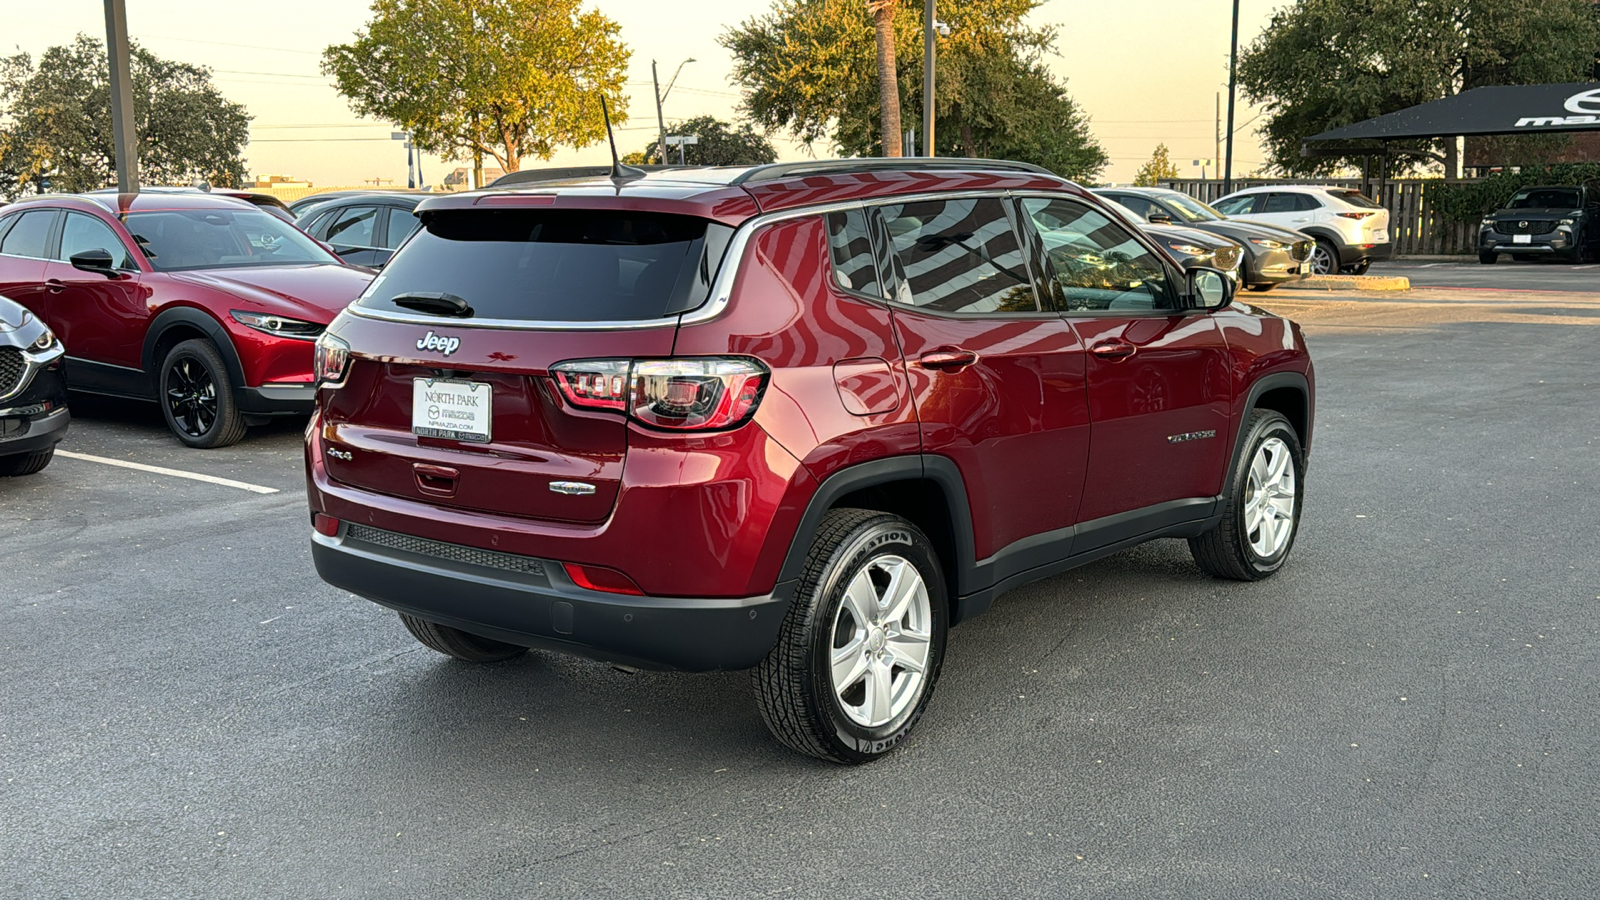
(190, 316)
(1265, 383)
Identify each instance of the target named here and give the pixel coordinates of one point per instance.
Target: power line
(159, 37)
(273, 74)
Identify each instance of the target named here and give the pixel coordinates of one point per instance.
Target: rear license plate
(1522, 239)
(457, 410)
(1381, 236)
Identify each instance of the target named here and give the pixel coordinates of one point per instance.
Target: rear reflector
(600, 578)
(325, 525)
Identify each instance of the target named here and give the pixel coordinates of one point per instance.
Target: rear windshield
(1356, 198)
(558, 265)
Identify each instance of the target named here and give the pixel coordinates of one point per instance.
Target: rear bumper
(1357, 253)
(520, 600)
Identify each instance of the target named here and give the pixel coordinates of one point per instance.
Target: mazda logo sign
(1522, 224)
(1586, 103)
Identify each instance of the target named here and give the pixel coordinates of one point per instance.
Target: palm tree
(888, 82)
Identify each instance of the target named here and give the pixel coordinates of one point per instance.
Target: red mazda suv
(799, 418)
(204, 303)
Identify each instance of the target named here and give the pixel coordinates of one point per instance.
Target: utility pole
(661, 122)
(1218, 131)
(927, 78)
(123, 140)
(1233, 88)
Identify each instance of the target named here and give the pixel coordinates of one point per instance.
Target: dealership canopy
(1506, 109)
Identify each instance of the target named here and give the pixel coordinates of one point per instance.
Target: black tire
(26, 463)
(1360, 268)
(459, 644)
(1260, 288)
(1226, 551)
(1488, 257)
(794, 686)
(1324, 246)
(196, 396)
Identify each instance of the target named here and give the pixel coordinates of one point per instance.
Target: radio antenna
(619, 172)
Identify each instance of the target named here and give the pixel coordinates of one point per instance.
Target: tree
(888, 80)
(1321, 64)
(57, 121)
(1157, 170)
(507, 78)
(809, 67)
(721, 144)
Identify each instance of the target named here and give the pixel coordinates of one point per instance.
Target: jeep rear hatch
(448, 398)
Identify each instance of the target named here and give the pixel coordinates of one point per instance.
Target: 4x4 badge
(446, 345)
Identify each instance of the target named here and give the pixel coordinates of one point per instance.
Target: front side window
(1098, 263)
(959, 256)
(354, 227)
(1236, 206)
(29, 235)
(854, 268)
(1139, 206)
(83, 233)
(1285, 203)
(177, 239)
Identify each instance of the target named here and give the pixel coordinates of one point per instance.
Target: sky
(1145, 73)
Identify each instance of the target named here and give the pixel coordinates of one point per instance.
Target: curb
(1353, 283)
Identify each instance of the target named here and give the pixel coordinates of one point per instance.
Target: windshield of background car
(1356, 198)
(1192, 210)
(179, 239)
(1545, 198)
(547, 265)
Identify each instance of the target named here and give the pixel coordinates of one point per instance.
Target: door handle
(54, 285)
(437, 480)
(1113, 349)
(947, 358)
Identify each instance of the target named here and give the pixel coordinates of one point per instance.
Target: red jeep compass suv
(799, 418)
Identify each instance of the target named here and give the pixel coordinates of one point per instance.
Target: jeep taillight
(331, 358)
(688, 394)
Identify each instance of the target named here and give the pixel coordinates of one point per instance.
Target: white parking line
(1581, 268)
(192, 476)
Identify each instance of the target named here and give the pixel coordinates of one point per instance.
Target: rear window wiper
(436, 303)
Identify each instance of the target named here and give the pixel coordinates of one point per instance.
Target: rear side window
(1356, 198)
(959, 255)
(29, 235)
(851, 247)
(401, 223)
(558, 265)
(354, 227)
(1279, 203)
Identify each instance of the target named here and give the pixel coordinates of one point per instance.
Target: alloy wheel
(191, 396)
(1321, 260)
(1269, 510)
(882, 637)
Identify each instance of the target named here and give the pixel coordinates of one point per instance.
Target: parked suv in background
(1272, 255)
(33, 396)
(1551, 220)
(203, 303)
(1350, 228)
(799, 418)
(364, 229)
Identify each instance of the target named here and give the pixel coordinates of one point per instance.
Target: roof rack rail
(567, 173)
(776, 171)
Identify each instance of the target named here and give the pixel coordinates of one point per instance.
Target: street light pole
(123, 141)
(927, 78)
(1233, 88)
(661, 121)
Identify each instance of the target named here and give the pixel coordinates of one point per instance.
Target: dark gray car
(1547, 220)
(363, 228)
(1272, 255)
(33, 395)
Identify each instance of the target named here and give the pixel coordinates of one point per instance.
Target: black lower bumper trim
(35, 434)
(545, 609)
(278, 399)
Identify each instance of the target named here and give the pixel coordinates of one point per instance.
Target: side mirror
(94, 261)
(1157, 218)
(1208, 288)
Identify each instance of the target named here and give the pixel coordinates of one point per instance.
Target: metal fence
(1413, 225)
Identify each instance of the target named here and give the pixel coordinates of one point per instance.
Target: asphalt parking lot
(1408, 710)
(1468, 274)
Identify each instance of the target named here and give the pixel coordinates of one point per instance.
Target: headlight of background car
(277, 326)
(1268, 243)
(1486, 222)
(1568, 221)
(1190, 249)
(45, 340)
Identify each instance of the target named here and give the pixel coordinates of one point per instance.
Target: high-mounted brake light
(687, 394)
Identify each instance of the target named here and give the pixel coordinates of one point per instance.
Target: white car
(1350, 228)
